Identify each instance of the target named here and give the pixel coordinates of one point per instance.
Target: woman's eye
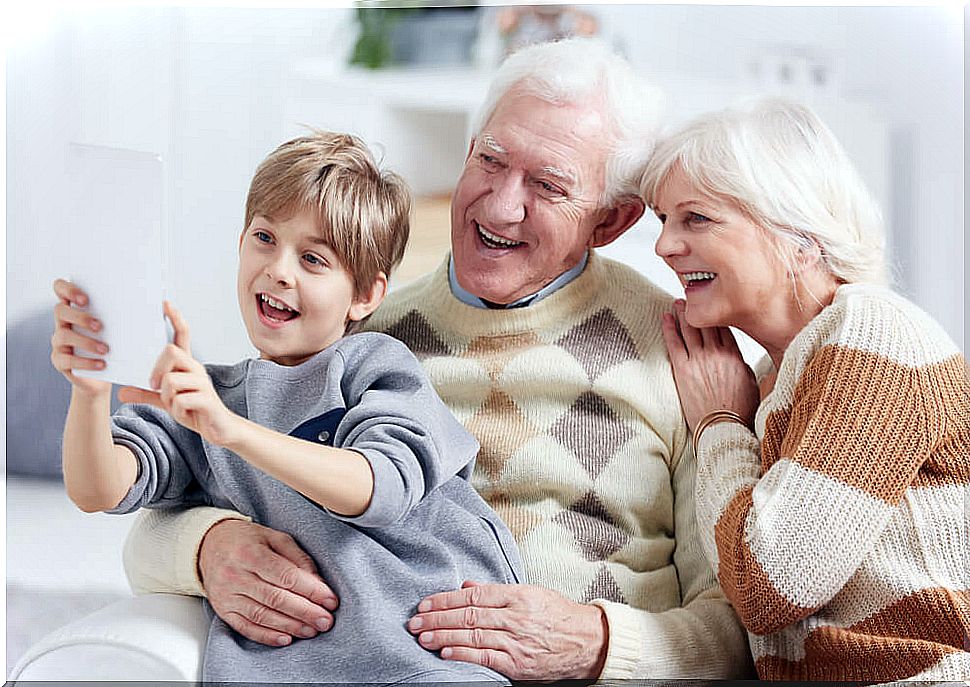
(697, 218)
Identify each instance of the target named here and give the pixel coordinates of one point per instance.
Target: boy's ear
(366, 303)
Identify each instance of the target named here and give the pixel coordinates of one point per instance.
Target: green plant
(373, 46)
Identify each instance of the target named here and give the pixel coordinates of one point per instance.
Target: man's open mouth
(275, 310)
(493, 241)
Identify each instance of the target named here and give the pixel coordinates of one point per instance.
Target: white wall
(206, 89)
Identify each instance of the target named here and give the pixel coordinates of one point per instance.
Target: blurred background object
(522, 25)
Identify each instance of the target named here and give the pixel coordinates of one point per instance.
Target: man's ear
(471, 147)
(617, 220)
(366, 303)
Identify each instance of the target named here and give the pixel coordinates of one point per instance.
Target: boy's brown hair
(363, 211)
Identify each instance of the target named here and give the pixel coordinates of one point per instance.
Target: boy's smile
(295, 295)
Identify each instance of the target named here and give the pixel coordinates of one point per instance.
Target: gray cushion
(37, 398)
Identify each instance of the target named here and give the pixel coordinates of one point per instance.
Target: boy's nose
(280, 272)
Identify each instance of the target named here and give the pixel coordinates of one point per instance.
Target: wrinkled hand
(263, 584)
(708, 369)
(521, 631)
(184, 388)
(69, 313)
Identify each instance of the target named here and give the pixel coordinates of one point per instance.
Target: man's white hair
(789, 174)
(576, 71)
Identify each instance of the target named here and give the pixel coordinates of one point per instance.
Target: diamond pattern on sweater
(599, 342)
(604, 586)
(592, 431)
(499, 411)
(596, 533)
(520, 521)
(494, 352)
(414, 331)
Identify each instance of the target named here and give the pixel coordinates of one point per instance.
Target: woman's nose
(668, 243)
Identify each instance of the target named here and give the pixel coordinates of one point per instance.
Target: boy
(339, 440)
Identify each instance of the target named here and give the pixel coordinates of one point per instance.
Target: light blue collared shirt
(471, 299)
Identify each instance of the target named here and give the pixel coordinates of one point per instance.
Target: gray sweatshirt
(426, 529)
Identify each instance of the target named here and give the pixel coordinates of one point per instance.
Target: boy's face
(295, 296)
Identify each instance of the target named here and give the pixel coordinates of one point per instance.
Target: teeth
(697, 276)
(275, 303)
(492, 238)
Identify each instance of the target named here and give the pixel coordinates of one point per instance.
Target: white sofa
(154, 637)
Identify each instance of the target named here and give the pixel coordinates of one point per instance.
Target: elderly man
(552, 356)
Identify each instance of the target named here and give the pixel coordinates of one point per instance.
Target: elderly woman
(833, 503)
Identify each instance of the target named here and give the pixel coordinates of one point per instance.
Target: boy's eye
(314, 260)
(262, 236)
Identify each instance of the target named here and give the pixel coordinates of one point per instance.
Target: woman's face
(731, 273)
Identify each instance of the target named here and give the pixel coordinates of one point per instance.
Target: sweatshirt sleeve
(856, 432)
(700, 639)
(396, 420)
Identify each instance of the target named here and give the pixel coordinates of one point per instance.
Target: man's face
(528, 199)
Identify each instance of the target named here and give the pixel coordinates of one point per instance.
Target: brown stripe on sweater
(879, 450)
(833, 653)
(761, 607)
(950, 460)
(937, 615)
(775, 427)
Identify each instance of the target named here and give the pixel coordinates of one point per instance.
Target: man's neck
(475, 301)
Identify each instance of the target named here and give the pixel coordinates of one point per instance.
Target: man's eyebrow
(489, 142)
(559, 174)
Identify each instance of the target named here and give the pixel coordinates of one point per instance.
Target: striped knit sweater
(839, 529)
(583, 455)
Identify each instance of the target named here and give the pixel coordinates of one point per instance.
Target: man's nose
(506, 204)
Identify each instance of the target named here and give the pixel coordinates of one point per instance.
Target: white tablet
(114, 225)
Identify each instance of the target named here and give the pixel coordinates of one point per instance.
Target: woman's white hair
(575, 71)
(789, 174)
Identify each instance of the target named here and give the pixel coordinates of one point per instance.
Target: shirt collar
(470, 299)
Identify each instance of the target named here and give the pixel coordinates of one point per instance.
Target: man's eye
(488, 160)
(549, 188)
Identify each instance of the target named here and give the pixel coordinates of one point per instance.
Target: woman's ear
(366, 303)
(808, 255)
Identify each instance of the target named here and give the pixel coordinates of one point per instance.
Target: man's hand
(263, 584)
(184, 388)
(523, 632)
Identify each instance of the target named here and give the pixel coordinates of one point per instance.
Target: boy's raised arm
(97, 473)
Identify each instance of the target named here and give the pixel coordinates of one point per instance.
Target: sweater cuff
(623, 650)
(164, 554)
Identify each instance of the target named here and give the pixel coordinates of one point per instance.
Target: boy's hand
(184, 389)
(68, 313)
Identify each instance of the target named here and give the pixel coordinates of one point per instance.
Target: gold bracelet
(713, 417)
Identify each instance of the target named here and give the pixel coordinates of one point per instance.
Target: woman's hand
(263, 584)
(184, 388)
(708, 369)
(70, 312)
(521, 631)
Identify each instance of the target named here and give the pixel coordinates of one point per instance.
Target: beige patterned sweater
(584, 454)
(840, 529)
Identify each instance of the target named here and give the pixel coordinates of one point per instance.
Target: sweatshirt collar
(470, 299)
